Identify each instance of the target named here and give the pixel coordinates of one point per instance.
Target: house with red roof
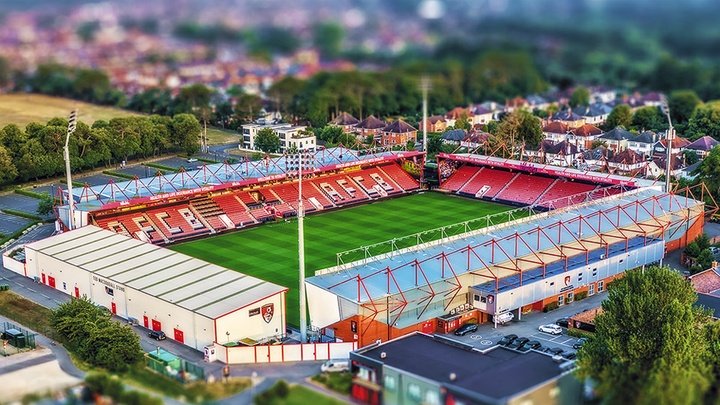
(370, 126)
(398, 133)
(584, 136)
(345, 121)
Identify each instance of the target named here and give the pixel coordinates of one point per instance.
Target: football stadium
(384, 255)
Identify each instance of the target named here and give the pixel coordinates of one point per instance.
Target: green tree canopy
(620, 116)
(580, 97)
(682, 103)
(705, 120)
(45, 206)
(267, 140)
(186, 133)
(649, 344)
(520, 126)
(649, 119)
(8, 171)
(328, 37)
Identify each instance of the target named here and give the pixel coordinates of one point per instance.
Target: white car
(335, 366)
(551, 329)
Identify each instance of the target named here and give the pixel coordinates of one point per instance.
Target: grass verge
(197, 392)
(27, 313)
(118, 174)
(161, 167)
(21, 214)
(338, 382)
(29, 193)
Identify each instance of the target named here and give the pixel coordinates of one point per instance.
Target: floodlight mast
(72, 122)
(301, 251)
(425, 86)
(670, 135)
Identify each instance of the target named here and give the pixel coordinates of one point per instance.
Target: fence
(167, 364)
(18, 336)
(284, 353)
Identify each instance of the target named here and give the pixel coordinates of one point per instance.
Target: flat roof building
(194, 302)
(420, 368)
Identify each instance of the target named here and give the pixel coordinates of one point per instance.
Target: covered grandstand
(518, 266)
(223, 197)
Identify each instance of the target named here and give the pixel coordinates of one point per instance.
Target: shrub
(578, 333)
(551, 306)
(281, 389)
(581, 295)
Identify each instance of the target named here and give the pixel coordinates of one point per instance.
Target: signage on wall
(267, 311)
(254, 311)
(108, 284)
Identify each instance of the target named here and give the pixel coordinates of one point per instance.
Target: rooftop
(512, 372)
(706, 143)
(198, 286)
(706, 282)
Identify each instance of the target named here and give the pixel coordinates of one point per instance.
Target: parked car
(335, 366)
(555, 351)
(579, 343)
(157, 334)
(569, 355)
(507, 339)
(504, 318)
(519, 342)
(132, 321)
(563, 322)
(465, 329)
(550, 328)
(533, 344)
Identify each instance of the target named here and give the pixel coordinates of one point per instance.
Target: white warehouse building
(194, 302)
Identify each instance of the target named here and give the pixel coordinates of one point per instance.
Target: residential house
(563, 154)
(556, 131)
(602, 94)
(584, 136)
(398, 133)
(595, 113)
(616, 138)
(652, 99)
(454, 136)
(474, 139)
(481, 115)
(569, 118)
(455, 114)
(436, 123)
(643, 143)
(370, 126)
(658, 165)
(595, 159)
(627, 162)
(707, 286)
(678, 146)
(702, 146)
(291, 136)
(537, 102)
(345, 121)
(515, 104)
(424, 369)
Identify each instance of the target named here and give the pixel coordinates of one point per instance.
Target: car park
(465, 329)
(580, 342)
(551, 329)
(555, 351)
(507, 339)
(533, 344)
(519, 342)
(157, 334)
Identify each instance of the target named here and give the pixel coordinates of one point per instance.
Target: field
(22, 109)
(269, 251)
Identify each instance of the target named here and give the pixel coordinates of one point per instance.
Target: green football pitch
(269, 251)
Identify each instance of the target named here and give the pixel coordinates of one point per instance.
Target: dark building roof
(627, 157)
(371, 123)
(711, 302)
(676, 143)
(345, 119)
(661, 161)
(560, 148)
(645, 137)
(598, 153)
(454, 135)
(512, 372)
(617, 134)
(480, 110)
(706, 143)
(399, 127)
(595, 110)
(435, 119)
(535, 99)
(566, 115)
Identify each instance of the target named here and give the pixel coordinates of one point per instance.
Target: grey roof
(595, 110)
(567, 115)
(512, 372)
(193, 284)
(706, 143)
(617, 134)
(646, 137)
(454, 135)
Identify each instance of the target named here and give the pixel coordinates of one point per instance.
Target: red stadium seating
(525, 188)
(134, 224)
(383, 181)
(564, 188)
(177, 221)
(234, 209)
(400, 176)
(458, 179)
(247, 198)
(489, 184)
(210, 211)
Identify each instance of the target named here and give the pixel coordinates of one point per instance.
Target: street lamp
(425, 86)
(71, 128)
(670, 135)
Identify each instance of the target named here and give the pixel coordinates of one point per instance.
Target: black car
(569, 356)
(562, 322)
(465, 329)
(507, 339)
(555, 351)
(579, 343)
(157, 334)
(533, 344)
(518, 343)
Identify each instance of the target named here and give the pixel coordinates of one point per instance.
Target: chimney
(714, 264)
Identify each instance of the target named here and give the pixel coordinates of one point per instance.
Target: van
(504, 318)
(335, 366)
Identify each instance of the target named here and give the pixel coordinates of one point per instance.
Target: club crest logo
(267, 312)
(567, 281)
(490, 299)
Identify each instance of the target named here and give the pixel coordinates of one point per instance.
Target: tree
(580, 97)
(649, 344)
(267, 140)
(45, 206)
(520, 126)
(705, 120)
(709, 172)
(463, 123)
(193, 99)
(649, 119)
(327, 37)
(8, 172)
(186, 133)
(620, 116)
(690, 157)
(329, 133)
(682, 103)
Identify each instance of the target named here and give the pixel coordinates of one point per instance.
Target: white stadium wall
(323, 306)
(250, 321)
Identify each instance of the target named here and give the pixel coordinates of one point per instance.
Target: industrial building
(194, 302)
